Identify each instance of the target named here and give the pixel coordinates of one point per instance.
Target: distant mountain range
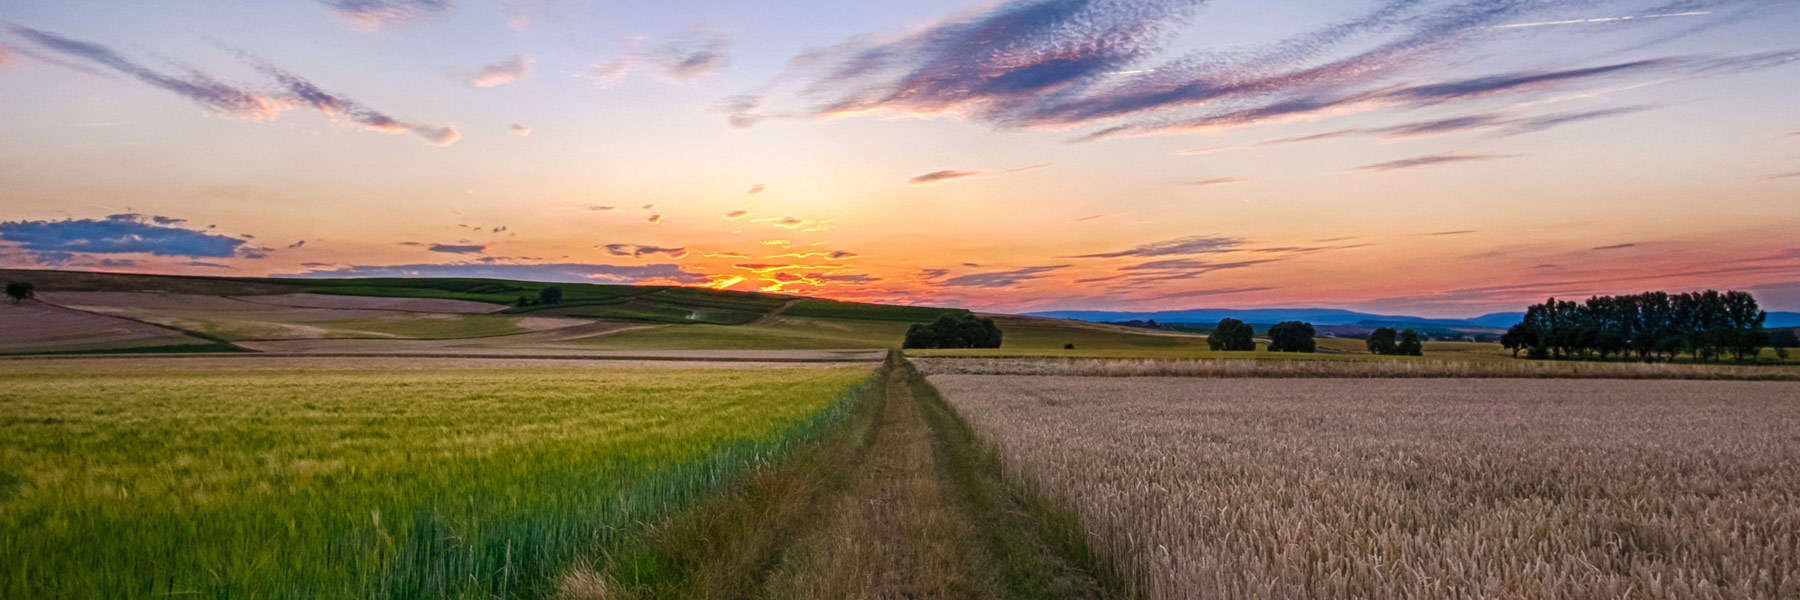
(1326, 316)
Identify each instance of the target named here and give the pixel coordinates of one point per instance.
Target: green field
(365, 484)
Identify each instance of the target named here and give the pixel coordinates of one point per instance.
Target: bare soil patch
(1383, 488)
(40, 327)
(427, 305)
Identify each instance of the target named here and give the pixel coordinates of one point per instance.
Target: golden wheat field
(1440, 488)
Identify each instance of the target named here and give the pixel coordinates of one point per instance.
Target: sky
(1420, 157)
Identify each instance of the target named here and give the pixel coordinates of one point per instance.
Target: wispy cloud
(1200, 244)
(117, 234)
(375, 14)
(944, 175)
(1195, 266)
(1430, 160)
(948, 174)
(508, 70)
(1062, 63)
(755, 189)
(997, 279)
(551, 272)
(736, 213)
(1615, 246)
(521, 129)
(457, 248)
(1209, 292)
(1213, 181)
(640, 251)
(232, 101)
(692, 55)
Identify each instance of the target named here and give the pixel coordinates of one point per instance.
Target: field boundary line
(619, 357)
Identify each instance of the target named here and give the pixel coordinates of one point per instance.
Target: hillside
(108, 312)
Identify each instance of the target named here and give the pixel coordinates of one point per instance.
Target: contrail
(1605, 19)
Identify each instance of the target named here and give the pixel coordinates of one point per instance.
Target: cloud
(933, 273)
(1209, 292)
(944, 175)
(948, 174)
(691, 55)
(1200, 244)
(1063, 63)
(1214, 181)
(755, 189)
(458, 248)
(124, 233)
(550, 272)
(333, 106)
(1194, 266)
(236, 102)
(736, 213)
(375, 14)
(600, 207)
(508, 70)
(656, 218)
(202, 89)
(1007, 278)
(209, 265)
(5, 55)
(1784, 175)
(1430, 160)
(637, 251)
(296, 245)
(521, 129)
(1453, 232)
(1615, 247)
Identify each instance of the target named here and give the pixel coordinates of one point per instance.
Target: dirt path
(901, 502)
(896, 533)
(775, 312)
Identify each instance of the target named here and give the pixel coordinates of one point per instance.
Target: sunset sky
(1406, 156)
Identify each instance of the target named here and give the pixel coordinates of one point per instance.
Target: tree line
(1653, 325)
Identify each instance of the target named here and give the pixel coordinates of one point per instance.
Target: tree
(960, 331)
(1784, 338)
(1381, 341)
(1517, 338)
(1231, 334)
(20, 291)
(550, 295)
(1292, 336)
(1409, 344)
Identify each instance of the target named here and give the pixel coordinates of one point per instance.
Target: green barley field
(464, 483)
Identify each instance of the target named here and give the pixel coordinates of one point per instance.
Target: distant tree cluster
(958, 331)
(1651, 325)
(1231, 334)
(549, 295)
(1292, 336)
(1386, 341)
(20, 291)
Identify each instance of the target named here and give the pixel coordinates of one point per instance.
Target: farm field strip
(235, 319)
(365, 483)
(1255, 488)
(1372, 367)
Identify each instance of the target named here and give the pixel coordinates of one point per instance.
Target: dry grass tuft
(1316, 488)
(1401, 368)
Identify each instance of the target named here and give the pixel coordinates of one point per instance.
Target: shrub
(1409, 344)
(954, 331)
(1292, 336)
(550, 295)
(1231, 334)
(1382, 341)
